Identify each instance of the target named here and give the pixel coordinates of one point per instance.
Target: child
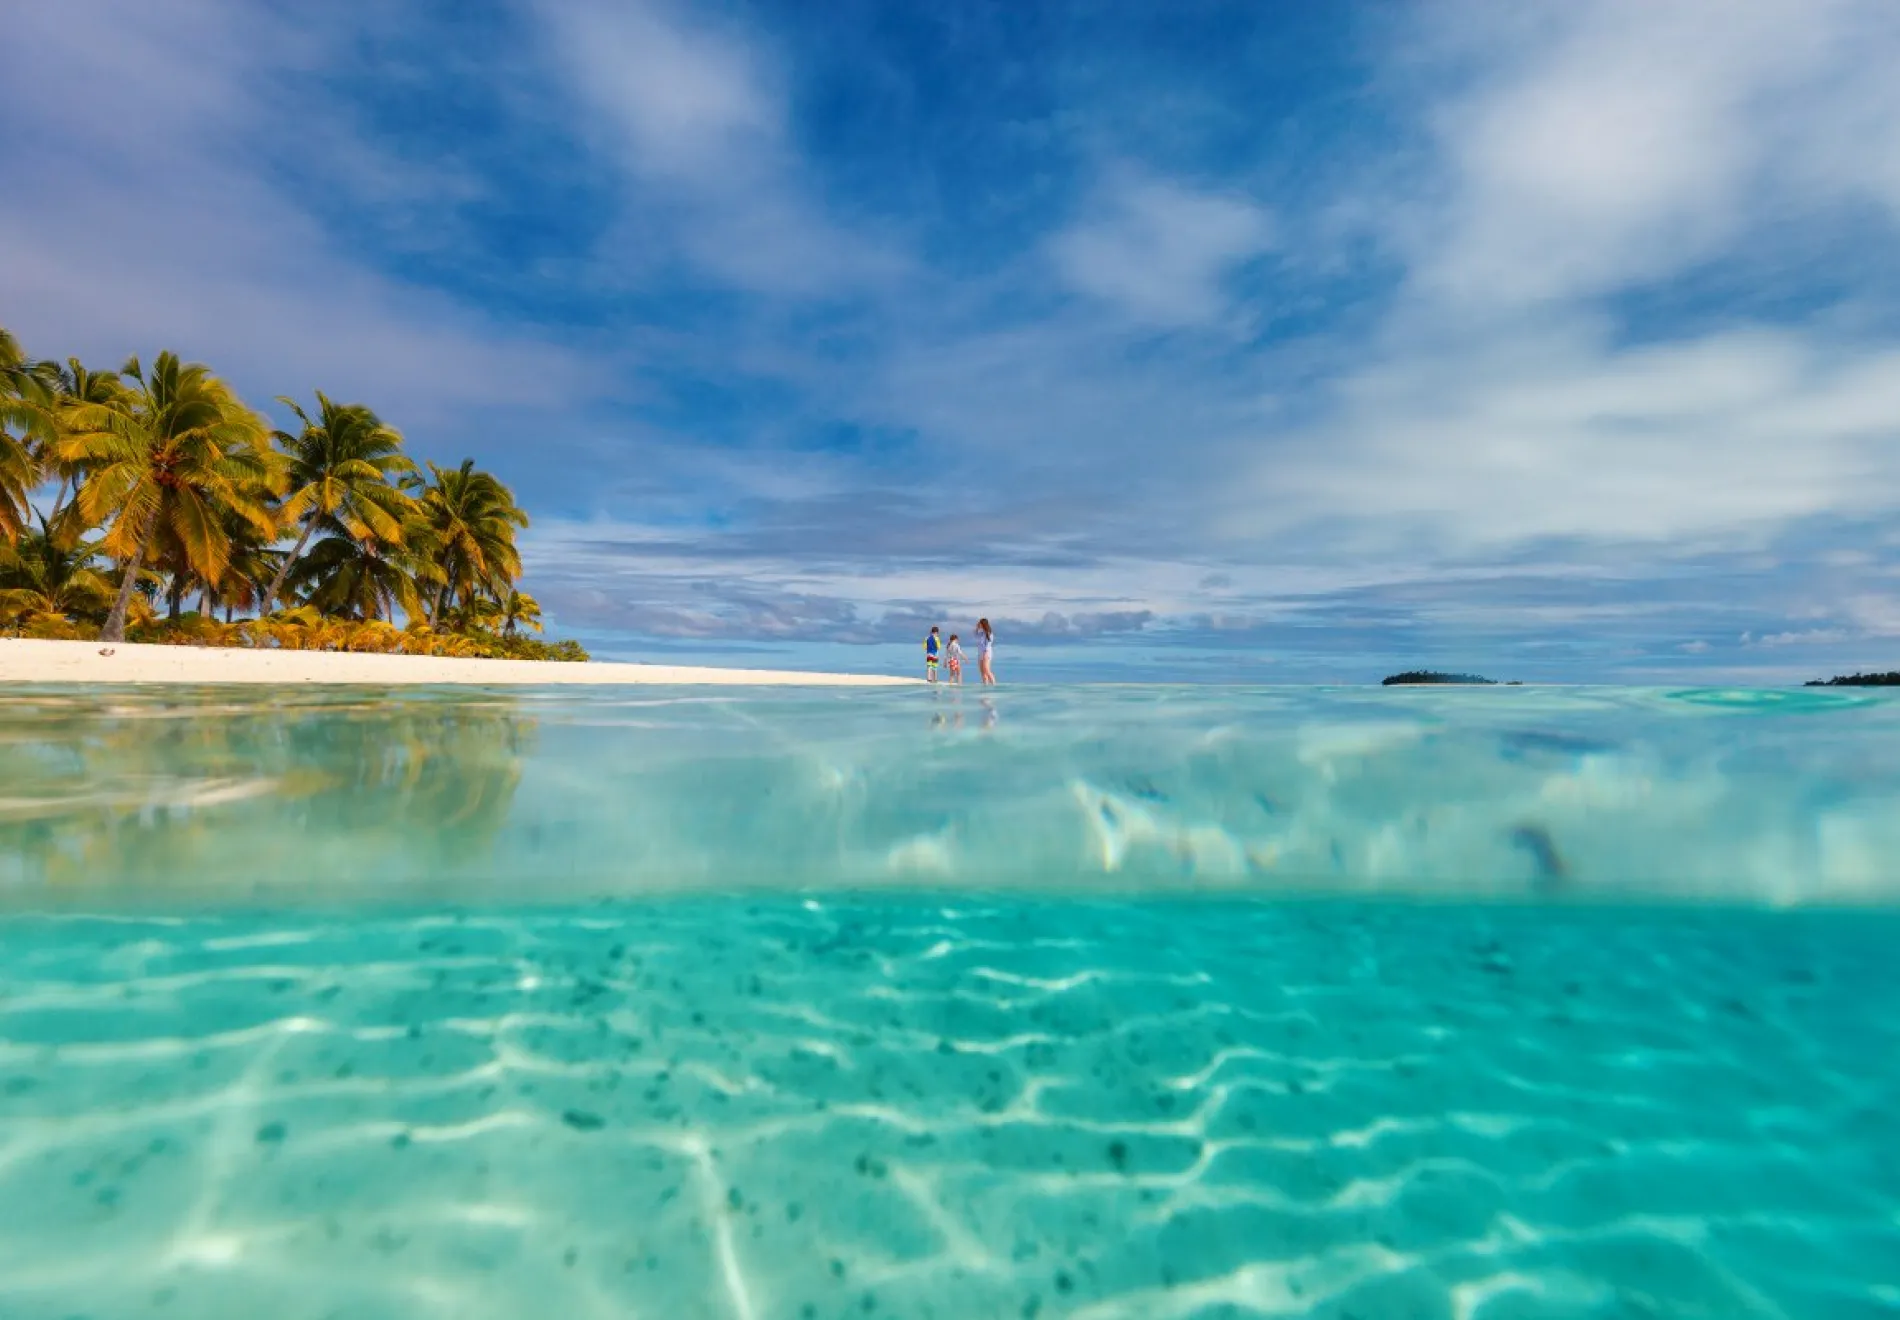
(954, 654)
(931, 647)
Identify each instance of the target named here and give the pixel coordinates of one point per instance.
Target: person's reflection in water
(940, 722)
(989, 714)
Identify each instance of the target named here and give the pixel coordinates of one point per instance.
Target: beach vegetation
(151, 504)
(343, 466)
(24, 425)
(1429, 676)
(50, 577)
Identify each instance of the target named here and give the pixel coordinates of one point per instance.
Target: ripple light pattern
(969, 1107)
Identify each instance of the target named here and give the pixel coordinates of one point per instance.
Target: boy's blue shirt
(930, 644)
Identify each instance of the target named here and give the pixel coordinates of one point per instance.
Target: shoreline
(29, 660)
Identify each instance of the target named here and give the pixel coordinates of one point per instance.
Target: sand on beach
(24, 660)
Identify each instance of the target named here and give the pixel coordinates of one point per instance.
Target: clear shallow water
(1736, 796)
(903, 1108)
(1118, 1003)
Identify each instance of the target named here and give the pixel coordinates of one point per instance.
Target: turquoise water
(1706, 795)
(1088, 1003)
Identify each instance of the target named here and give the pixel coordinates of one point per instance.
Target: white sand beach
(29, 661)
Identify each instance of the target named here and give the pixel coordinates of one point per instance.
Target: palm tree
(12, 356)
(253, 564)
(471, 518)
(44, 573)
(249, 564)
(361, 578)
(178, 450)
(341, 467)
(518, 610)
(477, 614)
(74, 383)
(23, 411)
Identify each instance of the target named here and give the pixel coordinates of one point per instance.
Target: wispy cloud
(1158, 252)
(1562, 433)
(1597, 146)
(699, 116)
(142, 218)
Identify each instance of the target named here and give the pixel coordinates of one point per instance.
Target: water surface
(1088, 1003)
(1729, 796)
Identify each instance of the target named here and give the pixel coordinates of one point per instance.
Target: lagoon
(1067, 1001)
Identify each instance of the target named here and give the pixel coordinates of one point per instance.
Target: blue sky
(1273, 342)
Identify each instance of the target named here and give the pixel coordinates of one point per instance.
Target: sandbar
(24, 660)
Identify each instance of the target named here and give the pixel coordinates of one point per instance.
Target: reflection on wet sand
(170, 790)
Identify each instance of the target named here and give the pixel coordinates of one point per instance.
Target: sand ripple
(793, 1109)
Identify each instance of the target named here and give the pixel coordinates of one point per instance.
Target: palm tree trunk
(114, 630)
(283, 569)
(174, 595)
(65, 483)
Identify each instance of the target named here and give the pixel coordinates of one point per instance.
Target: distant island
(1856, 680)
(1431, 676)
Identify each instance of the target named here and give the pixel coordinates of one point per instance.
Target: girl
(954, 654)
(985, 639)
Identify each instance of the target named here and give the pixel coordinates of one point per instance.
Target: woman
(985, 639)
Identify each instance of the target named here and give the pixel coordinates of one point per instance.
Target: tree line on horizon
(1422, 677)
(169, 492)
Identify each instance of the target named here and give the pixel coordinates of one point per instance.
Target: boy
(931, 648)
(954, 654)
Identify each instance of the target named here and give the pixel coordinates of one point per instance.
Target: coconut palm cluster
(152, 504)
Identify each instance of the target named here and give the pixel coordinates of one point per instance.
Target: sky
(1202, 341)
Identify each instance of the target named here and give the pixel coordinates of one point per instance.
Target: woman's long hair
(983, 626)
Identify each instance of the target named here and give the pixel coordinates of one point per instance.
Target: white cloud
(137, 220)
(1618, 142)
(1158, 252)
(1873, 615)
(1805, 637)
(1557, 434)
(694, 104)
(697, 116)
(1588, 150)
